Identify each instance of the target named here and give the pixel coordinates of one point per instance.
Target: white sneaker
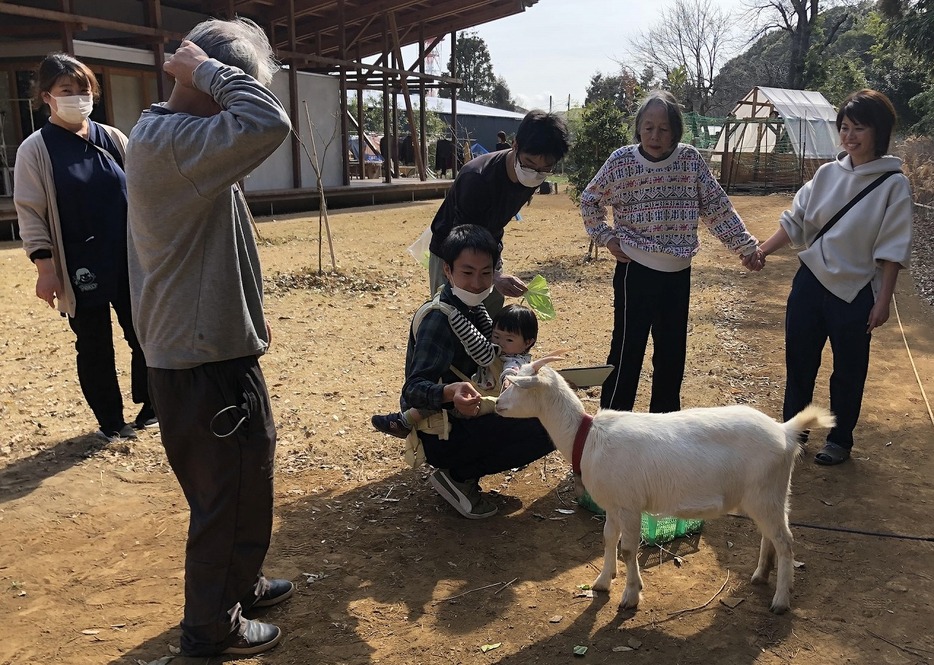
(465, 497)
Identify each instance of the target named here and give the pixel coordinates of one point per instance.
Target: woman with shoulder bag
(849, 264)
(70, 197)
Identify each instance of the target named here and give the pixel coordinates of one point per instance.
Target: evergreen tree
(600, 130)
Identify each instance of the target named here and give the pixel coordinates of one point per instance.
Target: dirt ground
(93, 535)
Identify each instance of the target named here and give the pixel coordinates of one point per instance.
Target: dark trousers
(97, 369)
(644, 301)
(477, 447)
(227, 481)
(813, 316)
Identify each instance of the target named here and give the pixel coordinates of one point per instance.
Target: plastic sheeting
(808, 124)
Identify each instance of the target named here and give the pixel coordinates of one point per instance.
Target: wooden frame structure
(332, 37)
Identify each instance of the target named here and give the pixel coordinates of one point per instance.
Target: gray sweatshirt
(195, 280)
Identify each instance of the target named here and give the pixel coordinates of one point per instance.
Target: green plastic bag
(539, 299)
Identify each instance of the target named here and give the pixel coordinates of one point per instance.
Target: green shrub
(601, 129)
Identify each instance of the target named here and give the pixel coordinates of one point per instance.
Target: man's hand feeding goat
(696, 463)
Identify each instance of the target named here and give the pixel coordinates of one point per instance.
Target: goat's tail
(810, 416)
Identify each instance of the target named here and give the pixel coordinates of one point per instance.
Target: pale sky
(555, 46)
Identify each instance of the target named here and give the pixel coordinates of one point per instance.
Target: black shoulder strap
(856, 199)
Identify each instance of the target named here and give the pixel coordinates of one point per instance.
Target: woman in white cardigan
(70, 198)
(847, 276)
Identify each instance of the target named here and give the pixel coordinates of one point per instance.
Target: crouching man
(196, 291)
(461, 439)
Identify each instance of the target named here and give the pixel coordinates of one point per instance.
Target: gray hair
(672, 108)
(239, 43)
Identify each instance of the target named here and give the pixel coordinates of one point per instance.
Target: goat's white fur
(696, 463)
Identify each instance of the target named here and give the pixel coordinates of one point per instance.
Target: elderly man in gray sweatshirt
(196, 291)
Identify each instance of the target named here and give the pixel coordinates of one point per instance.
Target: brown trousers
(223, 460)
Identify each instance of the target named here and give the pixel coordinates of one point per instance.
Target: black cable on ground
(877, 534)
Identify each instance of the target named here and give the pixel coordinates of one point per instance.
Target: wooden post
(342, 29)
(293, 104)
(410, 115)
(454, 101)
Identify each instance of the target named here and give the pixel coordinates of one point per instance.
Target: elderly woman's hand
(617, 251)
(754, 261)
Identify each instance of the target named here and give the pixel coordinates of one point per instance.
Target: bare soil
(93, 535)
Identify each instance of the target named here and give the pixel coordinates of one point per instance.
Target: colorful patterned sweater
(657, 205)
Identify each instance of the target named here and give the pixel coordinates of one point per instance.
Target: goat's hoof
(630, 600)
(779, 608)
(781, 601)
(601, 583)
(760, 577)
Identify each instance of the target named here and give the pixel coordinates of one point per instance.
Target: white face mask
(74, 109)
(529, 177)
(469, 298)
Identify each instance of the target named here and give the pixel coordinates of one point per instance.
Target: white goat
(696, 463)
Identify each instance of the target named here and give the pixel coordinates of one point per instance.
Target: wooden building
(329, 49)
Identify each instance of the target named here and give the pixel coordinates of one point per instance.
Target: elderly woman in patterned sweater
(659, 191)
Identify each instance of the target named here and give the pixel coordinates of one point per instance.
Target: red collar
(582, 431)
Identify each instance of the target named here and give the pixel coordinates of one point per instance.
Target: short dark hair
(872, 109)
(517, 319)
(672, 108)
(501, 136)
(56, 65)
(468, 236)
(542, 133)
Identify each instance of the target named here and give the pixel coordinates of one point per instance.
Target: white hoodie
(878, 228)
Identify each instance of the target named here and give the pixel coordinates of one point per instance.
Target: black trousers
(813, 316)
(478, 447)
(223, 459)
(97, 369)
(644, 301)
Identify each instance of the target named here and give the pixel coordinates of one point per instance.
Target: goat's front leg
(629, 548)
(610, 539)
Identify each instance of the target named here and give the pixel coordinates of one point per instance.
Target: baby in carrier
(515, 328)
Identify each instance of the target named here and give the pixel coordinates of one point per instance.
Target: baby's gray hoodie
(195, 279)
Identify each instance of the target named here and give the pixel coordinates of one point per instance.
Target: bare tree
(691, 40)
(797, 18)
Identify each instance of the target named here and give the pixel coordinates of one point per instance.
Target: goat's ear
(523, 381)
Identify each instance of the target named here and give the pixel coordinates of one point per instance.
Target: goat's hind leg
(766, 562)
(778, 534)
(611, 535)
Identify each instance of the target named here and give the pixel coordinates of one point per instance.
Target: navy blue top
(90, 190)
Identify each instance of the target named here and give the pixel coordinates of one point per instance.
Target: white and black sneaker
(146, 418)
(110, 436)
(464, 496)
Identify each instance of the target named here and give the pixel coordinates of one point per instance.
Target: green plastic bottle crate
(655, 530)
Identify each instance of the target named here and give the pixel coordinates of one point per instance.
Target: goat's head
(520, 396)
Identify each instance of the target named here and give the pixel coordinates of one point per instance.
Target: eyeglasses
(530, 171)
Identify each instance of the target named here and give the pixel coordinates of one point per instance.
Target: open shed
(775, 139)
